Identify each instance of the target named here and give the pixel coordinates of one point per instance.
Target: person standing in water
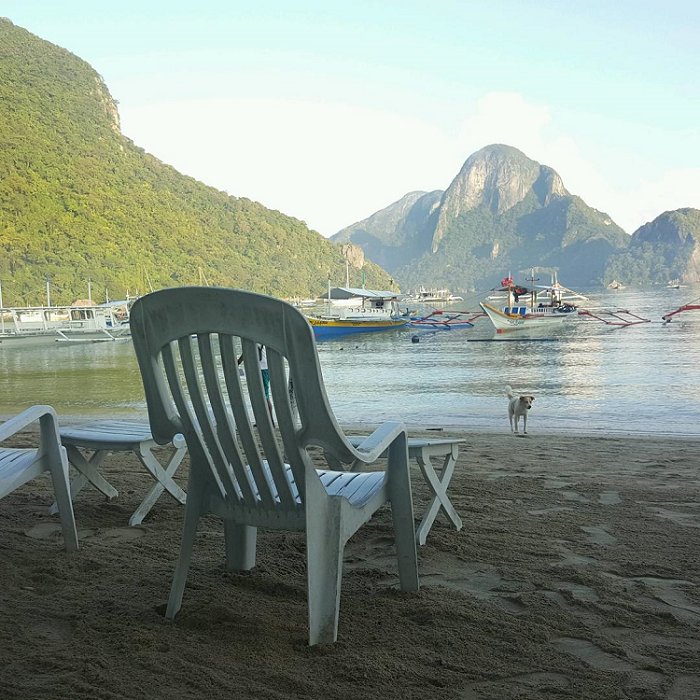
(265, 373)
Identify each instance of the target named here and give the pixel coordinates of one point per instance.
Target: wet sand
(576, 575)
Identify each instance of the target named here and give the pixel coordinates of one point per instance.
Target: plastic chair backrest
(187, 342)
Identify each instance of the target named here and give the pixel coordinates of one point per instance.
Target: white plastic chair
(187, 341)
(20, 465)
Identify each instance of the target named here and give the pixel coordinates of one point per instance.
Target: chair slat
(17, 467)
(227, 424)
(272, 477)
(190, 426)
(284, 411)
(224, 430)
(263, 484)
(356, 490)
(200, 405)
(268, 440)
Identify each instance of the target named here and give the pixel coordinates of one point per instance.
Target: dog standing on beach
(518, 406)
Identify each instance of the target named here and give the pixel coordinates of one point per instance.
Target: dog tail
(509, 391)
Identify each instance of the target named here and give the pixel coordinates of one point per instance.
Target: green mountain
(503, 213)
(79, 201)
(665, 249)
(398, 234)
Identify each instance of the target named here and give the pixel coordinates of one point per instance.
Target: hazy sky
(329, 111)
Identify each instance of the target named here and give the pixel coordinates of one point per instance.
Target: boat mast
(533, 292)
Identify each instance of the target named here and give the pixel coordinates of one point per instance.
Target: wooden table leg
(438, 484)
(163, 477)
(87, 473)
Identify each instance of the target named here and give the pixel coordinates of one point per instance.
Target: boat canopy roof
(350, 292)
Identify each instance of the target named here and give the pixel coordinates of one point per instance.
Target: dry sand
(576, 575)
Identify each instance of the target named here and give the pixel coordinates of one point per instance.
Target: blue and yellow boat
(350, 310)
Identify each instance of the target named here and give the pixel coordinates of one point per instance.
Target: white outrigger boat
(430, 296)
(82, 323)
(531, 307)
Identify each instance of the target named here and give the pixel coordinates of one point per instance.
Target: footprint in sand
(52, 531)
(599, 535)
(474, 578)
(684, 687)
(123, 533)
(666, 595)
(59, 631)
(547, 511)
(570, 558)
(376, 553)
(541, 682)
(591, 654)
(578, 592)
(685, 519)
(609, 498)
(574, 496)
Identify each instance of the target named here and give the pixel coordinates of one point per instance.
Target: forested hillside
(663, 250)
(79, 201)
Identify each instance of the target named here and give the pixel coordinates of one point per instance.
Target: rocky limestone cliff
(353, 254)
(497, 177)
(109, 105)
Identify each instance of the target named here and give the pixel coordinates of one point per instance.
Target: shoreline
(423, 429)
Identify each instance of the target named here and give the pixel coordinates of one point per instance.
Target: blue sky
(329, 111)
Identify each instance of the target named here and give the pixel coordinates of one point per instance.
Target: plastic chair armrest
(374, 445)
(27, 417)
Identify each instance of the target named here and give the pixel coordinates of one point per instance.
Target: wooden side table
(106, 436)
(437, 478)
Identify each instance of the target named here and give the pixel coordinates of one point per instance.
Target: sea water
(586, 376)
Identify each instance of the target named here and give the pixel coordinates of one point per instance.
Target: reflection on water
(585, 376)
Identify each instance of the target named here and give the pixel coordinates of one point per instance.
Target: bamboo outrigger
(690, 306)
(618, 317)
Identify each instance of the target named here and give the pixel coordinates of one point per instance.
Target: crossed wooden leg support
(437, 481)
(106, 437)
(163, 477)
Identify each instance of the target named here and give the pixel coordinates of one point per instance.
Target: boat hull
(511, 322)
(332, 328)
(69, 335)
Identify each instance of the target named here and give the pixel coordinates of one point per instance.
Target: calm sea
(586, 377)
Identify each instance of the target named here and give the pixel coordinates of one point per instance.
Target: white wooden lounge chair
(187, 341)
(20, 465)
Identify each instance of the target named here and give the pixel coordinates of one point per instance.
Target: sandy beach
(576, 575)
